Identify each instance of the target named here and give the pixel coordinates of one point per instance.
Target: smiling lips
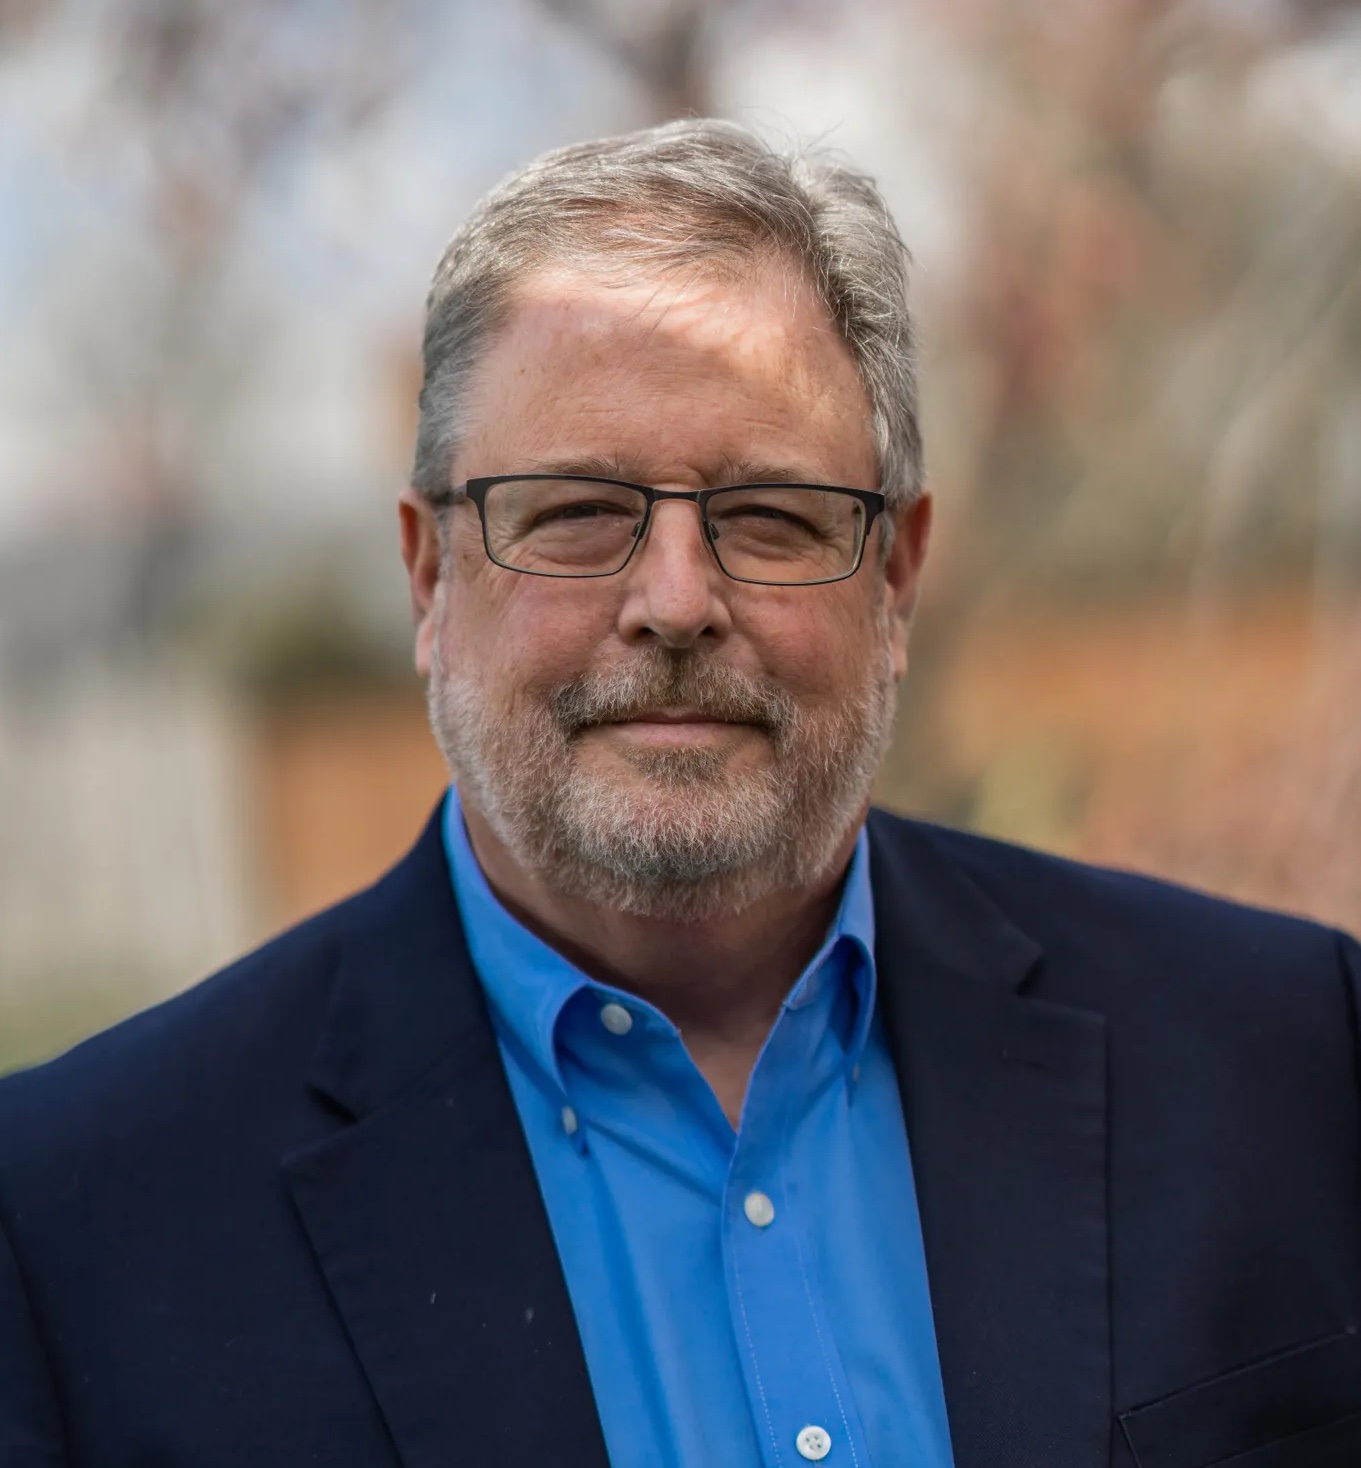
(673, 726)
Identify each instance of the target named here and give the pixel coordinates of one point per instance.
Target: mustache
(667, 678)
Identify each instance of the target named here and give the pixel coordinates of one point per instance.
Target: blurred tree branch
(659, 43)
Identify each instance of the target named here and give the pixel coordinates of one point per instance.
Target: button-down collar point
(616, 1019)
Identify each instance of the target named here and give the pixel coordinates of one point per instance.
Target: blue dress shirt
(748, 1297)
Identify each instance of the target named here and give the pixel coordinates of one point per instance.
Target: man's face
(665, 740)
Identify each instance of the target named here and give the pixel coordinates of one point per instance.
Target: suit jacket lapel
(425, 1216)
(424, 1211)
(1005, 1100)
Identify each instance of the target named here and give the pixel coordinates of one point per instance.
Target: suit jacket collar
(405, 997)
(424, 1213)
(426, 1220)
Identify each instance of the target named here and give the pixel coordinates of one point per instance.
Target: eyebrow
(593, 466)
(749, 471)
(730, 470)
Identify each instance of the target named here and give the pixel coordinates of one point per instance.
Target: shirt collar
(846, 956)
(528, 983)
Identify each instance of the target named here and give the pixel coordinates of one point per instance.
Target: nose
(676, 593)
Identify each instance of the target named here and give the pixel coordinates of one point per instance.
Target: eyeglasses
(770, 534)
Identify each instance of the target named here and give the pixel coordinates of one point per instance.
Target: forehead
(672, 371)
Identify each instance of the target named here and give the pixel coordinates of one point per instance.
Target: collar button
(616, 1019)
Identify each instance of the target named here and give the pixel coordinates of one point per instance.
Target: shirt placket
(799, 1396)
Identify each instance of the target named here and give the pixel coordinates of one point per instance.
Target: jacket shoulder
(1092, 919)
(233, 1043)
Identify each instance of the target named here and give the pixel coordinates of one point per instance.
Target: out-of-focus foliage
(1138, 238)
(1158, 322)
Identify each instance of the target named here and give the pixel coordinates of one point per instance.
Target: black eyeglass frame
(476, 490)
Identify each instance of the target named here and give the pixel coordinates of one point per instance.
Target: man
(659, 1108)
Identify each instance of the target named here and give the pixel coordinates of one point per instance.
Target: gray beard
(698, 839)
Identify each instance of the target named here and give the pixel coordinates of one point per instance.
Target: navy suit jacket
(289, 1218)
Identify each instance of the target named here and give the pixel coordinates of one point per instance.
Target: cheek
(524, 634)
(818, 644)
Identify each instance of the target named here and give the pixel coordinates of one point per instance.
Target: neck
(720, 981)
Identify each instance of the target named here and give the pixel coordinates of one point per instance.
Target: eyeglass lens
(768, 533)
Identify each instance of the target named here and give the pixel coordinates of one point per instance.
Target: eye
(762, 515)
(581, 510)
(768, 512)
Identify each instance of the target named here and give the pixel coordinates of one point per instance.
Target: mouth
(672, 716)
(672, 728)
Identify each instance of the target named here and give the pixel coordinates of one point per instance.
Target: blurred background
(1137, 232)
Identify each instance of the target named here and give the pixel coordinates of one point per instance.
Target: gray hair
(698, 193)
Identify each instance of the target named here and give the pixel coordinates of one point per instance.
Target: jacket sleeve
(1350, 953)
(30, 1422)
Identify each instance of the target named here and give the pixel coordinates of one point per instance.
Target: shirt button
(616, 1019)
(569, 1121)
(814, 1443)
(759, 1210)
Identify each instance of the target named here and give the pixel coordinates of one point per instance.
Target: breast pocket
(1301, 1409)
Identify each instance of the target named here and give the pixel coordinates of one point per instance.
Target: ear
(903, 570)
(421, 553)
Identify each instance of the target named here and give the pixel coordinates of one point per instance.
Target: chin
(681, 768)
